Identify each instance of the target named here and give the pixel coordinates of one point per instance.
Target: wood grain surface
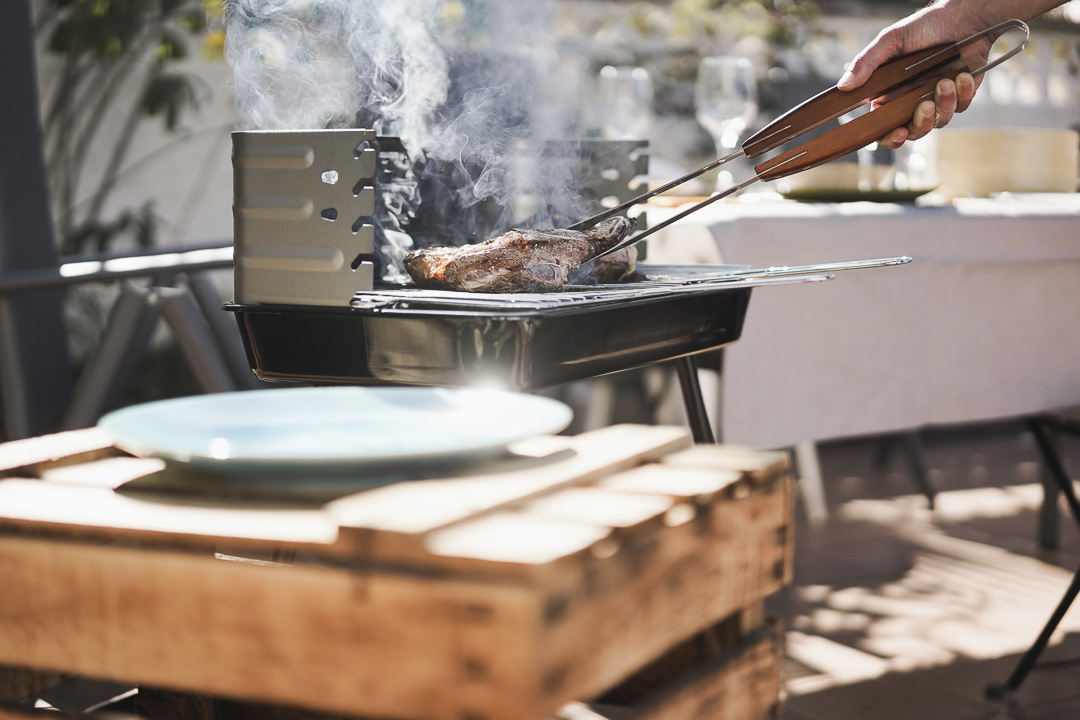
(501, 594)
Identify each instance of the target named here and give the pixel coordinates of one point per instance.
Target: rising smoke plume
(467, 85)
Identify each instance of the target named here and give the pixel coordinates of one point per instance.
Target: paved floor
(902, 612)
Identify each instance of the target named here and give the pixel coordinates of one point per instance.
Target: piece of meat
(520, 260)
(616, 267)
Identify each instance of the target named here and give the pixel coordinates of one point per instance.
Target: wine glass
(726, 100)
(626, 102)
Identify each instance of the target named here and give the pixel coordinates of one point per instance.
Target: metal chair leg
(132, 321)
(997, 691)
(224, 329)
(1054, 464)
(1052, 459)
(1049, 518)
(916, 453)
(811, 483)
(193, 333)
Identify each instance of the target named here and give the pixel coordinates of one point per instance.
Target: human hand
(934, 25)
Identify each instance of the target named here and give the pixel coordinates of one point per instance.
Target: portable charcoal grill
(310, 311)
(523, 341)
(405, 336)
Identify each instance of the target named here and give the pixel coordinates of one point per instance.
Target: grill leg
(696, 415)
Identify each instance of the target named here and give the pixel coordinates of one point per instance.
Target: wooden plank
(385, 524)
(323, 638)
(552, 527)
(678, 661)
(741, 684)
(17, 683)
(450, 500)
(647, 596)
(709, 677)
(758, 466)
(26, 504)
(13, 712)
(111, 472)
(658, 478)
(27, 457)
(594, 506)
(745, 687)
(390, 523)
(513, 539)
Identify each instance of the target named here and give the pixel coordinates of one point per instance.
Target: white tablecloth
(983, 324)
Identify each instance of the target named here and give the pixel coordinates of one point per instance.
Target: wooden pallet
(730, 671)
(500, 593)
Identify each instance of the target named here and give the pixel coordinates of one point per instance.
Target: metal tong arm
(631, 239)
(881, 120)
(612, 212)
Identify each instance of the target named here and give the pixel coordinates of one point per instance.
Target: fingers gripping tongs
(906, 81)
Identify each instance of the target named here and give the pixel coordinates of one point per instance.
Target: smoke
(471, 87)
(313, 64)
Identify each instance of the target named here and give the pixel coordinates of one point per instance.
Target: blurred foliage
(95, 236)
(103, 48)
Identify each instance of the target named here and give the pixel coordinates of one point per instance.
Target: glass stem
(865, 156)
(724, 177)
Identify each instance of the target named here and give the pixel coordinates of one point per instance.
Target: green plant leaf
(170, 95)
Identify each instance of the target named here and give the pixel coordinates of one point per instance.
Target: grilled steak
(610, 269)
(521, 260)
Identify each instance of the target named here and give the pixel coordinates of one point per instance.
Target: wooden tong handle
(834, 102)
(849, 137)
(892, 75)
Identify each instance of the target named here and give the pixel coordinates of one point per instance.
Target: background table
(983, 324)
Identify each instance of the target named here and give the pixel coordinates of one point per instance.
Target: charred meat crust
(521, 260)
(615, 267)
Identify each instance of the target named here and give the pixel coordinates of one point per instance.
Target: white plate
(335, 427)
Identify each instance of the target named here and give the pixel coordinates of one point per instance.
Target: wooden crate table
(576, 569)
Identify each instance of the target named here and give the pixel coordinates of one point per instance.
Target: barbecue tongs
(914, 77)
